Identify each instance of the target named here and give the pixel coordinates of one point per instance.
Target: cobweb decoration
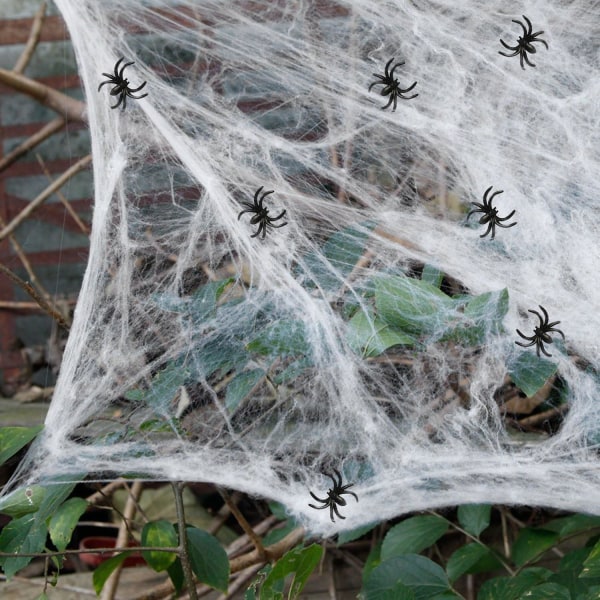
(375, 332)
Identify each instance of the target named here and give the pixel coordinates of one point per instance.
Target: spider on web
(392, 86)
(524, 43)
(121, 89)
(334, 496)
(490, 213)
(540, 333)
(261, 214)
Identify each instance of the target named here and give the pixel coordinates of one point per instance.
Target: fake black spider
(392, 86)
(121, 84)
(261, 214)
(540, 333)
(524, 43)
(334, 496)
(490, 214)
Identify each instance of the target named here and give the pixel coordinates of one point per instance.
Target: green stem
(183, 545)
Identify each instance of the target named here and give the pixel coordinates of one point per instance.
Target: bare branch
(41, 198)
(34, 38)
(65, 106)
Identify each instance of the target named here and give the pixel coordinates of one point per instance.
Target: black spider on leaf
(490, 213)
(540, 333)
(261, 214)
(524, 43)
(334, 496)
(392, 86)
(121, 84)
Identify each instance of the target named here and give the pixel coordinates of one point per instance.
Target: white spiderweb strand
(201, 353)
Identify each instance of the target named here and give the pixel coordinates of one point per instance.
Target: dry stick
(25, 262)
(107, 490)
(31, 142)
(34, 294)
(244, 524)
(34, 38)
(110, 587)
(184, 556)
(41, 198)
(63, 199)
(65, 106)
(241, 582)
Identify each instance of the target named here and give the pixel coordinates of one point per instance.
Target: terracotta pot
(93, 559)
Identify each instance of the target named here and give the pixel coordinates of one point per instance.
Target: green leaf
(104, 570)
(572, 524)
(591, 565)
(208, 559)
(64, 520)
(474, 518)
(471, 558)
(484, 315)
(432, 275)
(42, 596)
(28, 534)
(353, 534)
(159, 534)
(22, 501)
(299, 561)
(283, 338)
(547, 591)
(205, 298)
(531, 543)
(511, 588)
(176, 575)
(412, 306)
(370, 336)
(413, 535)
(240, 386)
(12, 439)
(529, 372)
(425, 578)
(330, 267)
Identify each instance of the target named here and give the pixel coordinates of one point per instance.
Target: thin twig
(240, 582)
(107, 490)
(81, 164)
(32, 141)
(63, 199)
(256, 541)
(184, 556)
(34, 294)
(25, 262)
(32, 42)
(110, 587)
(65, 106)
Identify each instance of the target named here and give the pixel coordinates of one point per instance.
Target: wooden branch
(32, 141)
(110, 587)
(65, 106)
(33, 293)
(64, 200)
(256, 541)
(184, 556)
(32, 42)
(41, 198)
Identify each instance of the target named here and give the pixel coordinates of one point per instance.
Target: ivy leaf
(12, 439)
(64, 520)
(285, 337)
(531, 543)
(422, 576)
(471, 558)
(240, 386)
(512, 588)
(474, 518)
(412, 306)
(159, 534)
(103, 571)
(370, 336)
(591, 565)
(208, 559)
(548, 591)
(413, 535)
(300, 562)
(529, 372)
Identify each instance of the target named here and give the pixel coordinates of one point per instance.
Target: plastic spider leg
(394, 68)
(123, 69)
(507, 217)
(489, 202)
(542, 41)
(524, 56)
(377, 82)
(121, 99)
(409, 88)
(318, 507)
(117, 66)
(391, 100)
(550, 328)
(387, 66)
(515, 49)
(280, 216)
(111, 80)
(335, 510)
(137, 89)
(490, 228)
(540, 346)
